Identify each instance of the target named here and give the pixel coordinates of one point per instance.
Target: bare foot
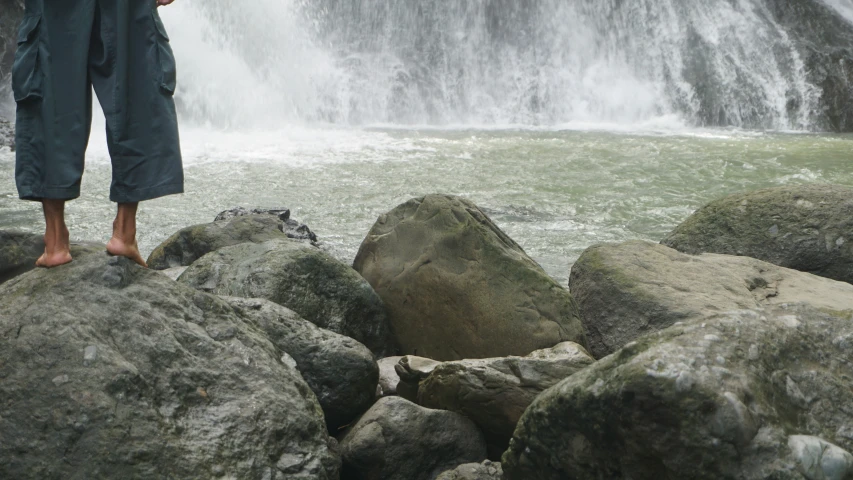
(54, 259)
(120, 248)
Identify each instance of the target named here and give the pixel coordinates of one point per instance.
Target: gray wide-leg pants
(65, 47)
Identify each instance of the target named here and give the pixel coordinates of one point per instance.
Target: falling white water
(488, 62)
(844, 7)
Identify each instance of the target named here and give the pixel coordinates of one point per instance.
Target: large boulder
(305, 279)
(398, 440)
(626, 290)
(109, 370)
(231, 228)
(494, 392)
(339, 370)
(457, 287)
(744, 395)
(804, 227)
(487, 470)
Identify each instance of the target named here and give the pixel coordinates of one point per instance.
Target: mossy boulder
(191, 243)
(302, 278)
(109, 370)
(804, 227)
(629, 289)
(743, 395)
(456, 286)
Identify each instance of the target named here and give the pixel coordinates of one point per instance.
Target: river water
(555, 191)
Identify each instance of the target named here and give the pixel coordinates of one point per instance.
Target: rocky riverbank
(445, 352)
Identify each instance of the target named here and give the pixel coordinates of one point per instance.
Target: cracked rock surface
(629, 289)
(108, 370)
(744, 395)
(456, 286)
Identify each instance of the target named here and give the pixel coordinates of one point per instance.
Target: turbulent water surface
(554, 191)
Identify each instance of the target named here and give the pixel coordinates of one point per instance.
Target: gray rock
(182, 386)
(302, 278)
(388, 377)
(629, 289)
(19, 252)
(487, 470)
(494, 392)
(820, 460)
(291, 228)
(191, 243)
(398, 440)
(340, 371)
(804, 227)
(457, 287)
(709, 398)
(411, 370)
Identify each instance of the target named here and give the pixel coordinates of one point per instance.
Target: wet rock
(474, 471)
(109, 370)
(709, 398)
(457, 287)
(494, 392)
(291, 228)
(804, 227)
(398, 440)
(824, 40)
(388, 377)
(626, 290)
(339, 370)
(302, 278)
(191, 243)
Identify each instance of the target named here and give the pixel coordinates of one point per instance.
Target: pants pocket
(27, 81)
(165, 57)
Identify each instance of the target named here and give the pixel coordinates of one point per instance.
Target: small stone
(774, 230)
(90, 354)
(61, 380)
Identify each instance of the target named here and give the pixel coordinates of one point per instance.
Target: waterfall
(490, 62)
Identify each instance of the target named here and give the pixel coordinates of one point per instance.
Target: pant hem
(142, 194)
(50, 193)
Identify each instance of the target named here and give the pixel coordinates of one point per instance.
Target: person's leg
(57, 248)
(123, 242)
